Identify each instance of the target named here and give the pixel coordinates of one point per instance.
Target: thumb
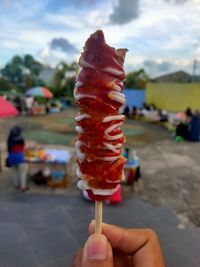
(97, 252)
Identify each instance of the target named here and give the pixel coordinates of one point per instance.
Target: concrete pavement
(43, 228)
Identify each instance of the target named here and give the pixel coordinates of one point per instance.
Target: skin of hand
(120, 247)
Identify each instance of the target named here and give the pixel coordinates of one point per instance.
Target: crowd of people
(134, 112)
(144, 110)
(30, 105)
(186, 124)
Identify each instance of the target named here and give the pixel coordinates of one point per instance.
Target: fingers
(77, 258)
(122, 239)
(97, 252)
(142, 244)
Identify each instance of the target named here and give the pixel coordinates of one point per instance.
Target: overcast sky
(162, 35)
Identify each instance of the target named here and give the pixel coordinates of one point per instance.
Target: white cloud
(163, 32)
(44, 52)
(10, 44)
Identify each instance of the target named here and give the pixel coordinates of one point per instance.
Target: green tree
(4, 85)
(22, 71)
(136, 79)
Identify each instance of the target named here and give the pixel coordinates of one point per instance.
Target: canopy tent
(7, 109)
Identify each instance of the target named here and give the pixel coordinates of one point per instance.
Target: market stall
(48, 166)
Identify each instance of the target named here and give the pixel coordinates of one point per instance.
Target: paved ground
(48, 226)
(171, 177)
(44, 230)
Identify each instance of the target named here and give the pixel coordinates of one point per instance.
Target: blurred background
(40, 44)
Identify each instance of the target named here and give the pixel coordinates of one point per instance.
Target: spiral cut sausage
(98, 93)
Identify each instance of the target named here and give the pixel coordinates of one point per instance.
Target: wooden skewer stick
(98, 216)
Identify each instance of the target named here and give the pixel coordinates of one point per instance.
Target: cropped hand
(120, 247)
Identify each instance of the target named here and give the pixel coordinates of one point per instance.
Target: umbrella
(39, 91)
(7, 109)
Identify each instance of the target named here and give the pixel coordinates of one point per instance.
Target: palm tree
(64, 78)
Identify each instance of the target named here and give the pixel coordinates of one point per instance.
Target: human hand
(120, 247)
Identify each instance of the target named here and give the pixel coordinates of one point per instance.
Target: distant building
(47, 75)
(175, 77)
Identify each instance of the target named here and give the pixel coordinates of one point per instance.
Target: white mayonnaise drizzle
(83, 185)
(116, 61)
(109, 158)
(115, 149)
(80, 154)
(79, 84)
(117, 96)
(114, 137)
(85, 64)
(117, 88)
(113, 182)
(113, 71)
(83, 116)
(113, 118)
(79, 129)
(112, 128)
(80, 174)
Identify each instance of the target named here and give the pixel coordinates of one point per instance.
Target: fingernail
(97, 247)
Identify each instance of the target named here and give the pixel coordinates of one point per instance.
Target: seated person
(189, 128)
(162, 116)
(194, 129)
(181, 131)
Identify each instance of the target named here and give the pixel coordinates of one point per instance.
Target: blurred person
(126, 112)
(152, 107)
(143, 112)
(197, 113)
(194, 129)
(134, 112)
(181, 131)
(162, 116)
(48, 106)
(120, 247)
(15, 148)
(188, 115)
(189, 129)
(188, 111)
(29, 105)
(35, 103)
(18, 103)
